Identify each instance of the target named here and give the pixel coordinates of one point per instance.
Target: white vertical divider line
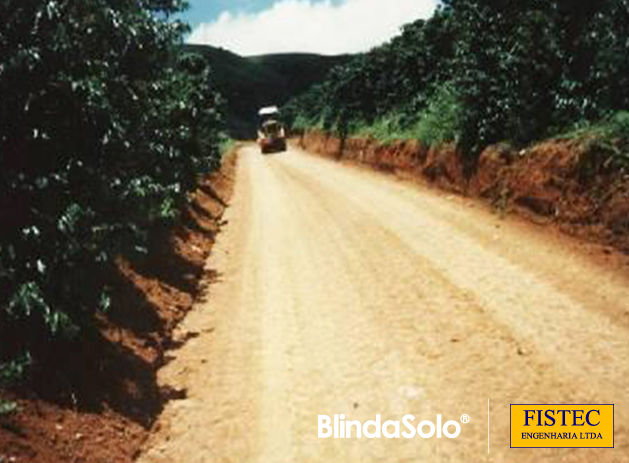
(488, 426)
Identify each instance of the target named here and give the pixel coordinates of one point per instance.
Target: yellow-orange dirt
(342, 290)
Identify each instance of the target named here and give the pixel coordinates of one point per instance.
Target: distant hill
(249, 83)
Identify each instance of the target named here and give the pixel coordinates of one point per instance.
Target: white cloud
(307, 26)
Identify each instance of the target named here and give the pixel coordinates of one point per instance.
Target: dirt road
(347, 291)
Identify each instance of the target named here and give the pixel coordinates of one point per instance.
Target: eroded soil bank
(565, 182)
(98, 397)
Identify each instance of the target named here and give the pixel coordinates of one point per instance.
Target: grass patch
(439, 123)
(11, 373)
(226, 144)
(609, 136)
(386, 129)
(303, 123)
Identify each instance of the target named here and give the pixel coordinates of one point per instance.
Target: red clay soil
(102, 397)
(564, 182)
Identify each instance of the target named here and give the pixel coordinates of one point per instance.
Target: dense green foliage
(103, 132)
(483, 71)
(249, 83)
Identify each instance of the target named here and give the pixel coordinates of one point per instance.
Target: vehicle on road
(271, 132)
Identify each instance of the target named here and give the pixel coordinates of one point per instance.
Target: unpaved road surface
(342, 290)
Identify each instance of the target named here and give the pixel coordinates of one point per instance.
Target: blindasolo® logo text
(576, 426)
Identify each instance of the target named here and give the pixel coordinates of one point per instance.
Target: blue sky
(206, 11)
(253, 27)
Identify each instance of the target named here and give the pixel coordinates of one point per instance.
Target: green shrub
(104, 129)
(483, 71)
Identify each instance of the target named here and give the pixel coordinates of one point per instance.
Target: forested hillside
(249, 83)
(486, 71)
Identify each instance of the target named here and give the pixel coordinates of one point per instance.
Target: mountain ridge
(250, 82)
